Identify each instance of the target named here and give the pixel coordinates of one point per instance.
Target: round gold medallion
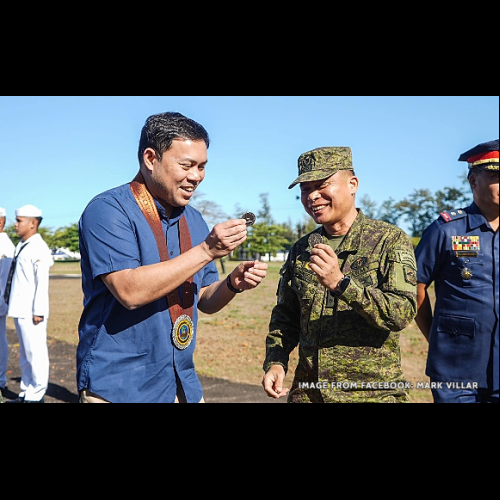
(183, 332)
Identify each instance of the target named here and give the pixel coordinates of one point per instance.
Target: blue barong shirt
(128, 356)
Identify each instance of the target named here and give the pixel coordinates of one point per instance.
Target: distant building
(65, 254)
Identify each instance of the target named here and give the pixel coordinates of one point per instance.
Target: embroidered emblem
(410, 275)
(359, 263)
(306, 164)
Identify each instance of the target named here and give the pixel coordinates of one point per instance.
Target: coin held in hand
(249, 218)
(315, 239)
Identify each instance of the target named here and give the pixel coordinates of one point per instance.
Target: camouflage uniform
(351, 341)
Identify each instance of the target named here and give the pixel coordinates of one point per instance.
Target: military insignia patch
(306, 164)
(453, 215)
(467, 243)
(359, 263)
(410, 275)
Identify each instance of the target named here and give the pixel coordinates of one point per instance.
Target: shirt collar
(174, 218)
(352, 240)
(475, 217)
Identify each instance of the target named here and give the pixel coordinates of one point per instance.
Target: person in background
(459, 254)
(27, 295)
(7, 249)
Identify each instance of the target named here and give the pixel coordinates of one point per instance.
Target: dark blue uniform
(459, 253)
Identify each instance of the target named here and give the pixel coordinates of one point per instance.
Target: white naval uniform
(29, 297)
(7, 249)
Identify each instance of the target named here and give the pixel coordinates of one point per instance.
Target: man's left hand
(249, 275)
(325, 264)
(37, 320)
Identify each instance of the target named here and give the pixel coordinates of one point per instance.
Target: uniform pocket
(456, 326)
(455, 351)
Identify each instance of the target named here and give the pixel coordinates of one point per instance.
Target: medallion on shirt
(183, 332)
(466, 246)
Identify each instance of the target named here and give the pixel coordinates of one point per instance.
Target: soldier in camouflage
(343, 301)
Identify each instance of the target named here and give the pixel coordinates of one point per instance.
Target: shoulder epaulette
(448, 216)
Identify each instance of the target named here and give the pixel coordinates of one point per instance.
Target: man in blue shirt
(459, 253)
(147, 266)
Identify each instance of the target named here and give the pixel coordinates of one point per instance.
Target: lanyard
(181, 309)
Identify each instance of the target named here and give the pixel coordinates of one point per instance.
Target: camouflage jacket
(348, 346)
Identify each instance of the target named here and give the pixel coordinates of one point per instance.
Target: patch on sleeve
(410, 275)
(405, 257)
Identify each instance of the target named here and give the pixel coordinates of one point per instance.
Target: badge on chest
(466, 246)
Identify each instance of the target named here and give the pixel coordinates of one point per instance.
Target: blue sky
(57, 152)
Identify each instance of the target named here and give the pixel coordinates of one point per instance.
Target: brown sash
(181, 311)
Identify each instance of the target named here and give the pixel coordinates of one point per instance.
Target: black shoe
(17, 400)
(41, 401)
(22, 400)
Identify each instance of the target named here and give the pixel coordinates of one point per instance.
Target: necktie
(12, 269)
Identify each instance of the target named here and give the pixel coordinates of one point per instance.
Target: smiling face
(173, 179)
(330, 202)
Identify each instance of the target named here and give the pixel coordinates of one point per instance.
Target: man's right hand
(225, 237)
(273, 382)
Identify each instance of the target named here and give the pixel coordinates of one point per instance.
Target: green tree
(368, 206)
(419, 209)
(264, 214)
(264, 239)
(66, 237)
(390, 212)
(450, 198)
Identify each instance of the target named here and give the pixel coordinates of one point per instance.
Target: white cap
(28, 211)
(3, 213)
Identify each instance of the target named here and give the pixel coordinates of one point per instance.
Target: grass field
(231, 343)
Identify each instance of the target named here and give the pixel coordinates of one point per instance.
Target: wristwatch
(231, 287)
(341, 286)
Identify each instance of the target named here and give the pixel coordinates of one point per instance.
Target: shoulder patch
(448, 216)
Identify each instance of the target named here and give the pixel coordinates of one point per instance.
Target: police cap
(483, 156)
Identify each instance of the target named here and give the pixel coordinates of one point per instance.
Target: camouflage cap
(322, 163)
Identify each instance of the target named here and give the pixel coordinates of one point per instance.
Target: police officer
(6, 254)
(346, 291)
(459, 253)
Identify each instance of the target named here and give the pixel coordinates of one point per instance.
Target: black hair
(161, 129)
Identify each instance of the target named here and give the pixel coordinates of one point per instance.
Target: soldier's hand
(225, 237)
(273, 382)
(249, 275)
(325, 264)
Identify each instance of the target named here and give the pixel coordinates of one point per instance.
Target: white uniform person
(6, 255)
(28, 299)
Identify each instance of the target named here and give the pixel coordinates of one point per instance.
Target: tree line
(63, 237)
(267, 237)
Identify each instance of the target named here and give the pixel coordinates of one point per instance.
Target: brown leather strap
(147, 205)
